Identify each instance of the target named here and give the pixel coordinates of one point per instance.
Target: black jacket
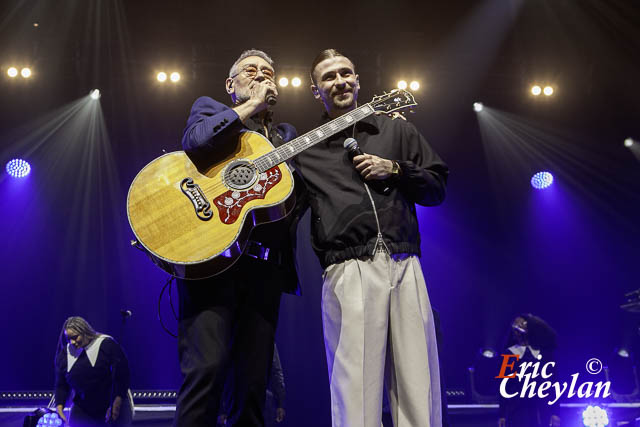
(343, 224)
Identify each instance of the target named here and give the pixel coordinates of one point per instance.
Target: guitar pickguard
(230, 203)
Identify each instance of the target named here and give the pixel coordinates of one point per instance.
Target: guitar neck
(309, 139)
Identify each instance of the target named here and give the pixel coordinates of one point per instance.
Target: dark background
(494, 249)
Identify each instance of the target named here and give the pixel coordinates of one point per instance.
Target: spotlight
(628, 142)
(296, 82)
(95, 94)
(162, 76)
(43, 417)
(18, 168)
(541, 180)
(595, 416)
(478, 106)
(284, 82)
(536, 90)
(623, 352)
(25, 72)
(548, 90)
(402, 84)
(414, 85)
(175, 77)
(489, 353)
(12, 72)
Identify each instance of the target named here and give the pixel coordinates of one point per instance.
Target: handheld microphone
(351, 145)
(380, 186)
(125, 313)
(271, 98)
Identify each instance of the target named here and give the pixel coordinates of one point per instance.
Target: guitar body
(194, 220)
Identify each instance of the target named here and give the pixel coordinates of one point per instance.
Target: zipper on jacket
(379, 240)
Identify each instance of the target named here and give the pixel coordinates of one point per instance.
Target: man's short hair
(247, 53)
(325, 54)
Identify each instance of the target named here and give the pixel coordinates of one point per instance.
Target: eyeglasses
(251, 71)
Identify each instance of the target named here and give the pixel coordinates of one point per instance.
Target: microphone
(271, 98)
(380, 186)
(125, 313)
(351, 145)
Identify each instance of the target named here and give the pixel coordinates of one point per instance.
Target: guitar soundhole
(240, 174)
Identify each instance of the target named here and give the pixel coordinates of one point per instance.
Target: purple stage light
(18, 168)
(595, 416)
(541, 180)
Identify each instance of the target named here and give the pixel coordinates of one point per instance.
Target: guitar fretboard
(301, 143)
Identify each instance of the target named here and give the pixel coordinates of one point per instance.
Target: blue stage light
(18, 168)
(595, 416)
(489, 353)
(541, 180)
(49, 419)
(43, 417)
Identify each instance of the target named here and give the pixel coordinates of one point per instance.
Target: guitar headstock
(396, 100)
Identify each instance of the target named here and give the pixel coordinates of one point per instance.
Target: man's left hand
(373, 167)
(114, 411)
(279, 415)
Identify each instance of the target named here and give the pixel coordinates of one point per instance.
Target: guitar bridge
(197, 197)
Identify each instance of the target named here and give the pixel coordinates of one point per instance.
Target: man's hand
(60, 410)
(258, 99)
(502, 422)
(373, 167)
(114, 410)
(280, 412)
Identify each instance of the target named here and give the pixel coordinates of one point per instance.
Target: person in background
(93, 367)
(533, 340)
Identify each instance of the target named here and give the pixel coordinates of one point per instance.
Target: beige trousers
(378, 329)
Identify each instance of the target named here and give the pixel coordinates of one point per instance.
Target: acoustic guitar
(194, 220)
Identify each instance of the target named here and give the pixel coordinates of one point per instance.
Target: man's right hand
(258, 100)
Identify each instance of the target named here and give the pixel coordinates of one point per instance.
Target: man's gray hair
(247, 53)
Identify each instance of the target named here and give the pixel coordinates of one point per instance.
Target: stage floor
(468, 415)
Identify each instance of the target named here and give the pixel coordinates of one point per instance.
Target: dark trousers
(227, 324)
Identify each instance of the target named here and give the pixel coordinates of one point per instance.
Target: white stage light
(25, 72)
(536, 90)
(296, 82)
(402, 84)
(414, 85)
(175, 77)
(12, 72)
(548, 90)
(478, 106)
(162, 76)
(284, 82)
(628, 142)
(95, 94)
